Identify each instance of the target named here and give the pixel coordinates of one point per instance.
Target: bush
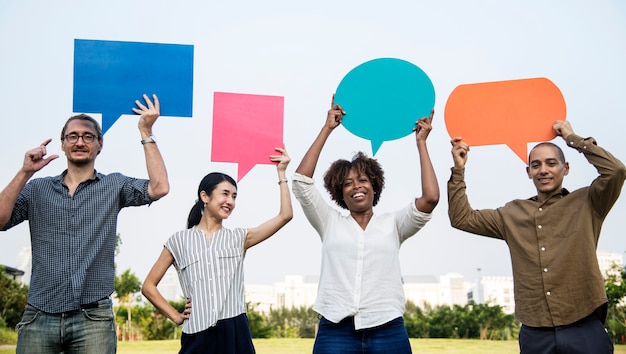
(8, 336)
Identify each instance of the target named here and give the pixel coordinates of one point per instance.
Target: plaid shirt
(73, 237)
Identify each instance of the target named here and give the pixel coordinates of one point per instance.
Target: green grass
(302, 346)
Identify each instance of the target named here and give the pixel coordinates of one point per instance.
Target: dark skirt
(229, 336)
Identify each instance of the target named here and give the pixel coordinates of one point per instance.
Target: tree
(615, 292)
(126, 285)
(13, 298)
(443, 322)
(415, 321)
(258, 324)
(154, 325)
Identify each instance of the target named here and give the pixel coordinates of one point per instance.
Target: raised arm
(159, 185)
(430, 188)
(34, 160)
(262, 232)
(150, 291)
(309, 161)
(606, 188)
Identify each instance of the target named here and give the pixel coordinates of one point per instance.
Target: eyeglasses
(73, 138)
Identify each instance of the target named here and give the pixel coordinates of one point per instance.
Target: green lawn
(302, 346)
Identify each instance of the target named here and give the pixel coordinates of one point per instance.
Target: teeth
(358, 195)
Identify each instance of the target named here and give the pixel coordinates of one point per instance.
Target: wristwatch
(149, 139)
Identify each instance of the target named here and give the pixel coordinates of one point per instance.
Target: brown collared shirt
(552, 244)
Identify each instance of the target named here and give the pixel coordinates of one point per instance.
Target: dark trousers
(229, 336)
(582, 337)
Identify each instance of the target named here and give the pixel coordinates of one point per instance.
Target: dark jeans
(582, 337)
(89, 330)
(389, 338)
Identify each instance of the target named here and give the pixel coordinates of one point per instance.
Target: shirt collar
(561, 194)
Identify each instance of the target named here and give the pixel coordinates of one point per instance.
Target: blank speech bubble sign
(109, 76)
(513, 112)
(246, 129)
(383, 98)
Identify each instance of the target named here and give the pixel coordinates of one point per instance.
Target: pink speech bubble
(246, 129)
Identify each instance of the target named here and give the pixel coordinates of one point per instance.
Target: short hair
(208, 185)
(338, 171)
(94, 122)
(559, 151)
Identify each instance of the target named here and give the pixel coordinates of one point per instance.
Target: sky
(301, 51)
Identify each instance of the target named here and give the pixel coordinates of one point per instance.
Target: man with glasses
(73, 221)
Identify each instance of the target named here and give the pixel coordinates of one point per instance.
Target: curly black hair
(338, 170)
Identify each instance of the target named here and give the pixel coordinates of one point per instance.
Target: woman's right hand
(335, 115)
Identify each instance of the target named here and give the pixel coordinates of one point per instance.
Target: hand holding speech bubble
(383, 98)
(513, 112)
(246, 129)
(109, 76)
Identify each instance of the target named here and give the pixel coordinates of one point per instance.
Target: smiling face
(547, 169)
(358, 193)
(221, 203)
(81, 153)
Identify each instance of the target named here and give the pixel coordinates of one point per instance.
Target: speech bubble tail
(521, 150)
(107, 121)
(243, 170)
(375, 146)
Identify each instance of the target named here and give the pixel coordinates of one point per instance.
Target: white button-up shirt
(360, 273)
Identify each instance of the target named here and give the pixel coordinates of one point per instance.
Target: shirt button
(545, 270)
(543, 249)
(548, 293)
(539, 226)
(540, 209)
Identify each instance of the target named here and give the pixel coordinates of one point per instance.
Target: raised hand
(423, 126)
(149, 112)
(459, 152)
(283, 159)
(34, 159)
(335, 114)
(562, 128)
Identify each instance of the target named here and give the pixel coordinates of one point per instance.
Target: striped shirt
(360, 273)
(73, 237)
(210, 273)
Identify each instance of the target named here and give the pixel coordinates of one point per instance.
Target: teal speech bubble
(383, 98)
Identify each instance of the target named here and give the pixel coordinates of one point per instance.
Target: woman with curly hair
(360, 295)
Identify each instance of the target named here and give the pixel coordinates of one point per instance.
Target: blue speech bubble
(383, 98)
(109, 76)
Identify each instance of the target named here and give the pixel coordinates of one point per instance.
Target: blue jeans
(333, 338)
(85, 331)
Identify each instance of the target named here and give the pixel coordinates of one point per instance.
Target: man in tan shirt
(552, 237)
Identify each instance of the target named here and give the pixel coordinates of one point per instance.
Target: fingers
(455, 140)
(157, 105)
(149, 107)
(337, 107)
(284, 158)
(46, 142)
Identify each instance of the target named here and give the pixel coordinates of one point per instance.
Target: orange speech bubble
(513, 112)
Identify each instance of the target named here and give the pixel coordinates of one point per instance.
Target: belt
(92, 305)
